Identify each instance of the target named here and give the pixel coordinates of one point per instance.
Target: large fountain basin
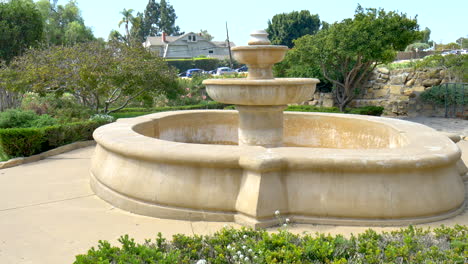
(279, 91)
(334, 169)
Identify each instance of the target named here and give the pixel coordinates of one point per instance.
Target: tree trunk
(9, 99)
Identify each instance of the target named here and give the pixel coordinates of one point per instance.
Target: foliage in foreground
(408, 245)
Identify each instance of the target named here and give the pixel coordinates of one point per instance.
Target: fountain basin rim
(127, 142)
(262, 82)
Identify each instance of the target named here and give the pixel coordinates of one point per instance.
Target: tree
(99, 76)
(151, 19)
(448, 46)
(286, 27)
(127, 17)
(349, 50)
(63, 25)
(167, 17)
(136, 32)
(426, 35)
(20, 28)
(206, 35)
(463, 42)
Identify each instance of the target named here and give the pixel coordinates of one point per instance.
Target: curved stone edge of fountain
(125, 140)
(154, 210)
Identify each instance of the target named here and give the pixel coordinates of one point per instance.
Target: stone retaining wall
(397, 91)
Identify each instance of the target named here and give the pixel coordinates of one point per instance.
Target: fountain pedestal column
(261, 125)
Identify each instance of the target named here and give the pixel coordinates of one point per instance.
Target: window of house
(194, 39)
(210, 51)
(190, 38)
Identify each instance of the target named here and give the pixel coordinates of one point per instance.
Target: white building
(188, 45)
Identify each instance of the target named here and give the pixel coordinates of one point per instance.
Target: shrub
(15, 118)
(407, 245)
(452, 93)
(133, 112)
(366, 110)
(64, 107)
(23, 142)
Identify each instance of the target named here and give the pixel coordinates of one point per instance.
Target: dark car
(192, 72)
(242, 69)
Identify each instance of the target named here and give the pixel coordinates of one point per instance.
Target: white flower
(285, 225)
(250, 250)
(239, 253)
(287, 220)
(201, 261)
(255, 257)
(241, 256)
(245, 236)
(244, 247)
(225, 226)
(277, 212)
(234, 257)
(246, 259)
(229, 247)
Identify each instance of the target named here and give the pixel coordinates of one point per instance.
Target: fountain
(242, 166)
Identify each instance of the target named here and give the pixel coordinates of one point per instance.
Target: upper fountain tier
(260, 87)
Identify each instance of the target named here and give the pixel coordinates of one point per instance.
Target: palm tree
(127, 17)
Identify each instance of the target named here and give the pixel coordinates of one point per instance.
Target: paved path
(48, 213)
(452, 125)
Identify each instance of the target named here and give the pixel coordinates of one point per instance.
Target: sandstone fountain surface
(242, 166)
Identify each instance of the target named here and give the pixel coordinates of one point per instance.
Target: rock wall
(398, 91)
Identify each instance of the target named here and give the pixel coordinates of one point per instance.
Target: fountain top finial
(259, 37)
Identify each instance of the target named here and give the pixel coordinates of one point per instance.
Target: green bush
(63, 107)
(453, 93)
(408, 245)
(135, 111)
(15, 118)
(23, 142)
(310, 108)
(366, 110)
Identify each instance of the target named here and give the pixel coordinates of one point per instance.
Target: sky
(447, 21)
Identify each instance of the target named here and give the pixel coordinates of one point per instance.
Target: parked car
(242, 69)
(192, 72)
(182, 74)
(224, 70)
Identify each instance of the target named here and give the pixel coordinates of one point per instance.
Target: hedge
(208, 105)
(407, 245)
(137, 111)
(23, 142)
(206, 64)
(365, 110)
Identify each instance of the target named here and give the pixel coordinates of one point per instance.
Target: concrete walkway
(48, 213)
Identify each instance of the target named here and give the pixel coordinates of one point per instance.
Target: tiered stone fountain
(243, 166)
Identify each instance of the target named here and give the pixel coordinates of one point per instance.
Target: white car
(224, 70)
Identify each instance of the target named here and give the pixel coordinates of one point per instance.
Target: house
(188, 45)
